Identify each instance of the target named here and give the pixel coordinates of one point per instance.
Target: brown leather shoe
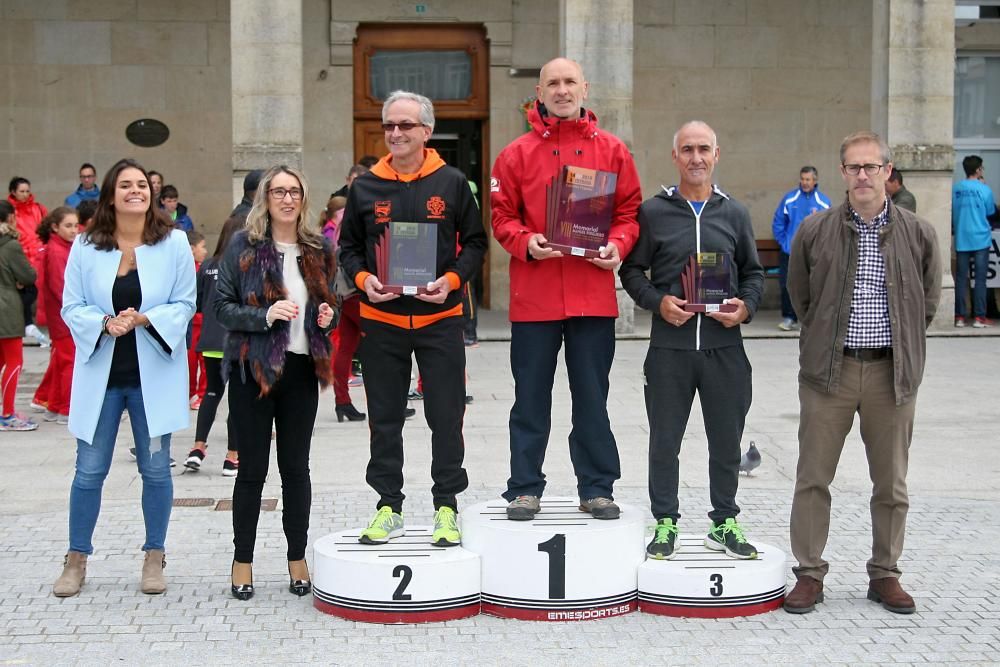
(891, 595)
(153, 582)
(73, 575)
(804, 596)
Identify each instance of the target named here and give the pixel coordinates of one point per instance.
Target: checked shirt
(869, 322)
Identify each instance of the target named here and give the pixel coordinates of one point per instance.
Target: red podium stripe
(401, 616)
(733, 611)
(557, 615)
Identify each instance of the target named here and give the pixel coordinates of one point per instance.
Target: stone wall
(74, 74)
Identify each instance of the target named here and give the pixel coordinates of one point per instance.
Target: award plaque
(579, 208)
(406, 257)
(707, 282)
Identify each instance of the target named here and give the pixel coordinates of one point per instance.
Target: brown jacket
(821, 272)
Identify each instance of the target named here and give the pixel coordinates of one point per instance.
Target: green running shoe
(729, 537)
(664, 544)
(446, 533)
(385, 526)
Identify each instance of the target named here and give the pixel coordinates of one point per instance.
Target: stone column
(266, 56)
(599, 34)
(913, 106)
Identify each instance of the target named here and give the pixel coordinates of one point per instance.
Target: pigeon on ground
(750, 460)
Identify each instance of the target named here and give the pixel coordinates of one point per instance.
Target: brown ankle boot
(891, 595)
(803, 598)
(73, 575)
(153, 581)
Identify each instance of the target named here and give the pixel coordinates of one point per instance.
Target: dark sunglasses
(405, 126)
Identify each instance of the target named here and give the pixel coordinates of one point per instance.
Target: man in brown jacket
(865, 280)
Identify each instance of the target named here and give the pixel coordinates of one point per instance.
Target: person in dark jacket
(691, 352)
(210, 344)
(898, 193)
(250, 183)
(865, 279)
(15, 271)
(274, 296)
(413, 184)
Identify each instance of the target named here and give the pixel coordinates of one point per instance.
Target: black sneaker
(194, 459)
(131, 455)
(664, 543)
(409, 412)
(230, 468)
(729, 537)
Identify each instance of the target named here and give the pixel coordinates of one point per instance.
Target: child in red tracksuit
(197, 380)
(57, 231)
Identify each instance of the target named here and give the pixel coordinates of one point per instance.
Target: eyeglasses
(278, 194)
(404, 126)
(870, 169)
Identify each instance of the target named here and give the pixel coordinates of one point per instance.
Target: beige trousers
(866, 388)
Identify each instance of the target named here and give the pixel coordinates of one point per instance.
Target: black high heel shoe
(299, 587)
(350, 413)
(241, 591)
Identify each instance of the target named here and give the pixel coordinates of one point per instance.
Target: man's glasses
(405, 126)
(278, 194)
(870, 169)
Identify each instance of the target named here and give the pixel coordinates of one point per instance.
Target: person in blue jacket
(170, 206)
(87, 190)
(971, 205)
(128, 296)
(793, 208)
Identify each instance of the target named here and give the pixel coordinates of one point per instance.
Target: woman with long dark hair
(129, 294)
(275, 298)
(210, 344)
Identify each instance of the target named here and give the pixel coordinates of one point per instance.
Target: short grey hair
(426, 106)
(715, 139)
(809, 169)
(866, 136)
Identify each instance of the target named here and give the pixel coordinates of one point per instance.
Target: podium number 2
(406, 573)
(556, 549)
(716, 589)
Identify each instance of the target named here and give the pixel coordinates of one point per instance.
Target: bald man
(556, 298)
(691, 352)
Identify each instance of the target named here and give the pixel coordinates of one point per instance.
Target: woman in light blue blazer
(128, 297)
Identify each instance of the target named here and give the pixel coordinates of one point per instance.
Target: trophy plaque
(406, 257)
(707, 282)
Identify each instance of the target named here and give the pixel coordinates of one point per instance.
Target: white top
(297, 292)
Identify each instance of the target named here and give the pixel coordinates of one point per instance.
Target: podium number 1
(556, 549)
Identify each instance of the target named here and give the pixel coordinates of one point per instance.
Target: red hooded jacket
(556, 289)
(29, 215)
(52, 279)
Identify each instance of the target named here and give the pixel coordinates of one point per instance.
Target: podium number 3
(716, 589)
(556, 549)
(406, 573)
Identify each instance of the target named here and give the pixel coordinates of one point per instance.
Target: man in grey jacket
(689, 351)
(865, 280)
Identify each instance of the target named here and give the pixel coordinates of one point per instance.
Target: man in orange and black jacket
(412, 184)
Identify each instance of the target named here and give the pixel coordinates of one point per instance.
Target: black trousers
(290, 407)
(534, 352)
(722, 378)
(385, 356)
(215, 387)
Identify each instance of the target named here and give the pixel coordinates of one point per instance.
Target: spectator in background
(156, 185)
(197, 382)
(250, 183)
(87, 190)
(57, 231)
(897, 191)
(795, 207)
(971, 204)
(85, 213)
(28, 214)
(15, 270)
(352, 173)
(170, 206)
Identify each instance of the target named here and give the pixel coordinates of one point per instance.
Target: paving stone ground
(950, 564)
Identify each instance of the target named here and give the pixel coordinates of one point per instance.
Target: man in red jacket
(556, 298)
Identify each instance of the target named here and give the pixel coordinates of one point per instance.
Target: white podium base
(563, 565)
(405, 581)
(703, 583)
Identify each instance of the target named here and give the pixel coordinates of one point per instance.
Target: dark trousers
(349, 330)
(786, 302)
(29, 294)
(534, 351)
(385, 355)
(290, 407)
(722, 378)
(215, 387)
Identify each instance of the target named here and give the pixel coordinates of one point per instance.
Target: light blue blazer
(167, 278)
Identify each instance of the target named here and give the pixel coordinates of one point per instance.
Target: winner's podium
(563, 565)
(702, 583)
(407, 580)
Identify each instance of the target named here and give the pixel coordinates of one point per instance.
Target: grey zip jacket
(669, 233)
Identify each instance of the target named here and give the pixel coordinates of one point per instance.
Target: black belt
(868, 353)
